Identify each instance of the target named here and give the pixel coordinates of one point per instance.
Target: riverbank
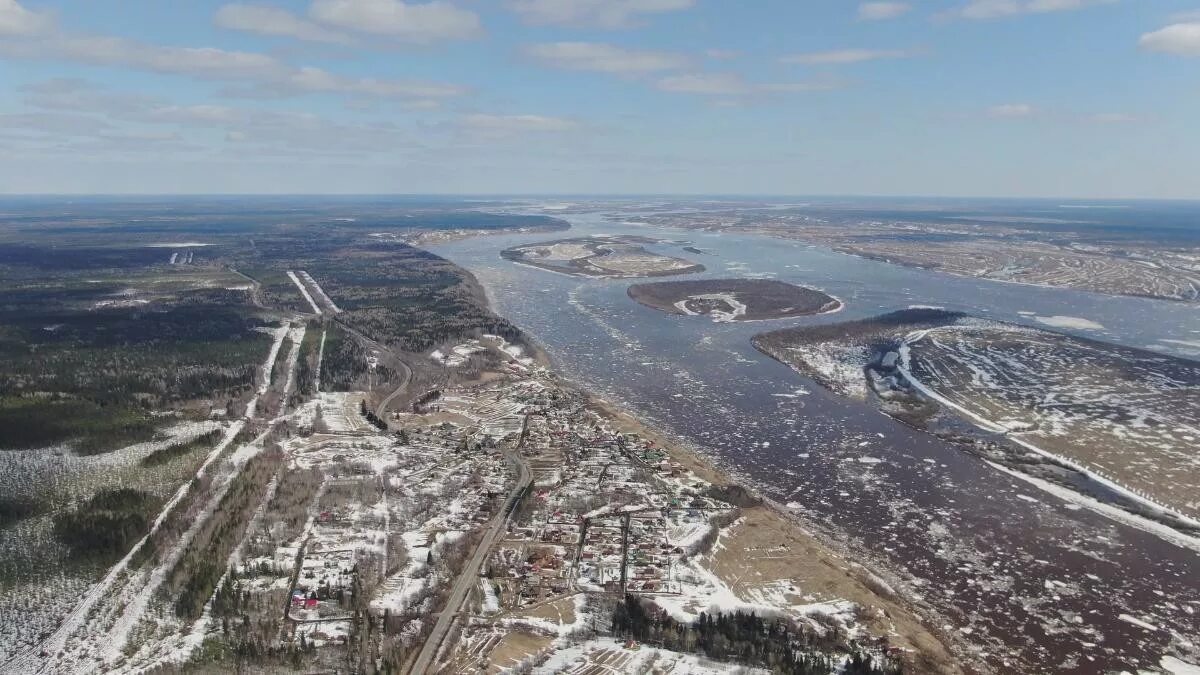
(978, 545)
(820, 566)
(814, 564)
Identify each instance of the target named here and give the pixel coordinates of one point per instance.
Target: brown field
(765, 552)
(559, 611)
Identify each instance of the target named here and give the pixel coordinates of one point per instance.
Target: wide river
(1034, 582)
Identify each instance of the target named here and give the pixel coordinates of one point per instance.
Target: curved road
(397, 362)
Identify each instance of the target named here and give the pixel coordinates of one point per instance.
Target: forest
(781, 645)
(108, 523)
(88, 376)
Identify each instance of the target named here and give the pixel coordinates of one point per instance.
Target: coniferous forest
(781, 645)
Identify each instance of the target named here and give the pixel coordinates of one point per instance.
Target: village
(487, 527)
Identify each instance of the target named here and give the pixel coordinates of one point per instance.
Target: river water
(1034, 583)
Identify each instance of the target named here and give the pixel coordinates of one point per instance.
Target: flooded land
(1122, 417)
(1042, 247)
(734, 299)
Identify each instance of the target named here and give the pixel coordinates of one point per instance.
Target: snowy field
(604, 656)
(1132, 416)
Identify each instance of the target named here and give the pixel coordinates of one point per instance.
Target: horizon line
(588, 195)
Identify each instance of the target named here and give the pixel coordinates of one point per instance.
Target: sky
(989, 98)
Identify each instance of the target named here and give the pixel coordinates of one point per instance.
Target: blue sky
(1055, 98)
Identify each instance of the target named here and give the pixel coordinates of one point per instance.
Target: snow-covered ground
(320, 292)
(606, 656)
(1120, 416)
(304, 292)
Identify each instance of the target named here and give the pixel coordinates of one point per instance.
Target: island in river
(734, 299)
(601, 256)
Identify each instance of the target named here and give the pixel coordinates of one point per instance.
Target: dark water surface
(1034, 582)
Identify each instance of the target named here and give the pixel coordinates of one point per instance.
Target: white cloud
(882, 11)
(275, 22)
(199, 115)
(733, 85)
(1113, 118)
(478, 128)
(722, 54)
(334, 21)
(127, 118)
(603, 58)
(58, 124)
(411, 22)
(517, 123)
(1012, 110)
(75, 94)
(258, 74)
(800, 87)
(316, 80)
(710, 84)
(845, 56)
(593, 13)
(202, 62)
(16, 20)
(1182, 39)
(995, 9)
(293, 133)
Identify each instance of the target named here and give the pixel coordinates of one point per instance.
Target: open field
(614, 257)
(734, 299)
(1114, 413)
(1127, 414)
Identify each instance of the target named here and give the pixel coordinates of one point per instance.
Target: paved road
(396, 362)
(381, 409)
(470, 574)
(255, 287)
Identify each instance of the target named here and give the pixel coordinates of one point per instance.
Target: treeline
(370, 416)
(306, 366)
(137, 376)
(196, 574)
(419, 405)
(79, 257)
(164, 455)
(396, 294)
(106, 370)
(13, 509)
(345, 361)
(35, 421)
(409, 298)
(778, 644)
(108, 524)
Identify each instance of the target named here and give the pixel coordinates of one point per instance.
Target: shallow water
(1035, 583)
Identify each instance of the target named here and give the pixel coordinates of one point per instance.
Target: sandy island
(615, 257)
(727, 300)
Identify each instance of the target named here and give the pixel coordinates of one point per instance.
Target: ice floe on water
(1175, 666)
(1069, 322)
